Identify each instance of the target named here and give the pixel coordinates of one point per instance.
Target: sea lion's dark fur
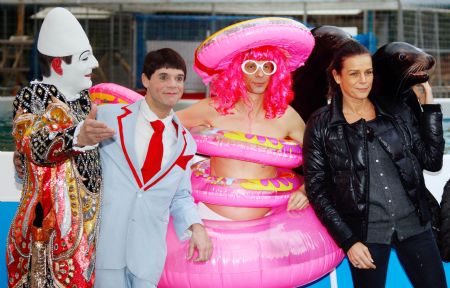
(310, 83)
(398, 66)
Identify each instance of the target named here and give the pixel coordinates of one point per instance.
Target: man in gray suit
(146, 176)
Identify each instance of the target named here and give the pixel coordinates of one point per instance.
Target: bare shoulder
(292, 117)
(294, 124)
(205, 106)
(200, 113)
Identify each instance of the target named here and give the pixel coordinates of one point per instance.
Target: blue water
(446, 124)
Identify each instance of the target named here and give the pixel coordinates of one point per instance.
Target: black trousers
(418, 255)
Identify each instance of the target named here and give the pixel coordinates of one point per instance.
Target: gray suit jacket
(135, 215)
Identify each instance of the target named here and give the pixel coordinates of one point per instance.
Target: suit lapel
(176, 155)
(127, 125)
(178, 147)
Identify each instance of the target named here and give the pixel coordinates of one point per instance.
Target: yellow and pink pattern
(271, 192)
(247, 147)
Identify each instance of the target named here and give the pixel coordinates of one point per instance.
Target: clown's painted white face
(77, 75)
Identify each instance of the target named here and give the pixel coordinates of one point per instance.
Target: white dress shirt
(144, 132)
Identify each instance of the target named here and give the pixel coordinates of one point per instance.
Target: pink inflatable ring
(112, 93)
(283, 249)
(271, 192)
(247, 147)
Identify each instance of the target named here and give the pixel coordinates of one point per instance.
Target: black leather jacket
(336, 164)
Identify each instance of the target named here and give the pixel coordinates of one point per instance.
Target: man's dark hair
(45, 63)
(163, 58)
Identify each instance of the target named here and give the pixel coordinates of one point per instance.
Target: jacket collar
(126, 122)
(337, 116)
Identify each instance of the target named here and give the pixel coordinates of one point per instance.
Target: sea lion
(310, 83)
(398, 66)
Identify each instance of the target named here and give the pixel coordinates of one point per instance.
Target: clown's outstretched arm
(93, 131)
(52, 137)
(45, 144)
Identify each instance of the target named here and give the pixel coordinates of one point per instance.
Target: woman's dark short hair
(45, 63)
(163, 58)
(347, 50)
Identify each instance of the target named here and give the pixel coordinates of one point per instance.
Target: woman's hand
(298, 199)
(359, 256)
(424, 93)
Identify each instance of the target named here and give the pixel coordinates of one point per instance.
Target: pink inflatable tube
(283, 249)
(242, 192)
(247, 147)
(112, 93)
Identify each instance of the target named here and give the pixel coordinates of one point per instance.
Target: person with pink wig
(244, 189)
(233, 85)
(250, 93)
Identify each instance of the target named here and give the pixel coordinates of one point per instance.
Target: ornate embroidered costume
(51, 242)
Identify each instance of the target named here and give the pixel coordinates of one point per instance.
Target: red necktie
(152, 163)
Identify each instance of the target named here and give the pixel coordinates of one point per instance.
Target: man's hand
(298, 199)
(17, 160)
(360, 257)
(200, 241)
(93, 131)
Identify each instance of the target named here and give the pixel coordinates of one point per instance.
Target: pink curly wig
(228, 87)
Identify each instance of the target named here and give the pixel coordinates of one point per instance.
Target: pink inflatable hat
(217, 51)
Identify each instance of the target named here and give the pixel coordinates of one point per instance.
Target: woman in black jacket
(363, 174)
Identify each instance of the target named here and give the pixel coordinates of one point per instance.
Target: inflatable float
(105, 93)
(281, 249)
(234, 192)
(253, 148)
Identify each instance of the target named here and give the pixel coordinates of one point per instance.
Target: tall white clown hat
(62, 35)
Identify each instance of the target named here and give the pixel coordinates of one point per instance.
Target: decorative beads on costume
(35, 99)
(65, 182)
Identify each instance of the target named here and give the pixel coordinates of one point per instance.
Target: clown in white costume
(51, 242)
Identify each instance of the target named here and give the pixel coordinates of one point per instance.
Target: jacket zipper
(366, 160)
